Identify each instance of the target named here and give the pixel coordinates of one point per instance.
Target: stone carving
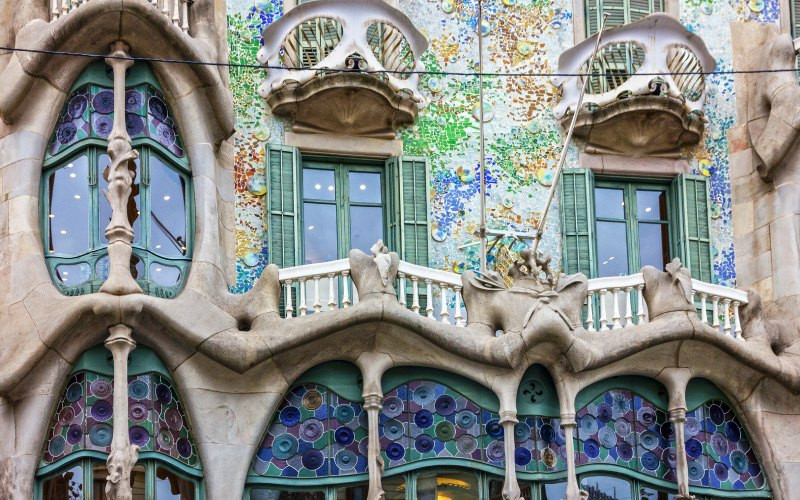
(372, 404)
(778, 333)
(374, 274)
(534, 286)
(668, 291)
(777, 95)
(120, 178)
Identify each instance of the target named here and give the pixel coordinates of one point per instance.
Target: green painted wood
(691, 234)
(481, 395)
(795, 18)
(410, 229)
(619, 12)
(576, 195)
(648, 388)
(537, 393)
(341, 377)
(283, 182)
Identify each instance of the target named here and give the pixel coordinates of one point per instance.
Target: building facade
(241, 249)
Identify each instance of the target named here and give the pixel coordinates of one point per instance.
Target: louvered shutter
(637, 9)
(577, 221)
(795, 18)
(408, 208)
(593, 10)
(691, 234)
(283, 206)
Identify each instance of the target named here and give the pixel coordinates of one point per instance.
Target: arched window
(73, 465)
(75, 212)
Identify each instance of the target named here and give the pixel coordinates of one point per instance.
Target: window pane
(134, 203)
(100, 473)
(167, 210)
(66, 486)
(69, 208)
(394, 488)
(554, 491)
(352, 493)
(609, 203)
(170, 486)
(319, 234)
(365, 187)
(613, 488)
(73, 274)
(137, 267)
(366, 227)
(452, 486)
(496, 489)
(653, 245)
(319, 184)
(164, 275)
(653, 494)
(265, 494)
(651, 205)
(612, 249)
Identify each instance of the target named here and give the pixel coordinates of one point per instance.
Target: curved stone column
(372, 366)
(676, 379)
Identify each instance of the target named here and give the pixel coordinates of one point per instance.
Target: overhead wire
(502, 74)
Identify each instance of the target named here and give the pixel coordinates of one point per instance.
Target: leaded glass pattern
(315, 433)
(84, 418)
(655, 438)
(89, 113)
(540, 445)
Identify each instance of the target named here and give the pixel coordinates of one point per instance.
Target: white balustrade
(612, 303)
(177, 11)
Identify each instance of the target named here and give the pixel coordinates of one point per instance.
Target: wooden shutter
(795, 18)
(637, 9)
(691, 234)
(592, 16)
(577, 221)
(407, 208)
(283, 205)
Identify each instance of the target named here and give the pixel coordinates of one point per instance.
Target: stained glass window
(75, 212)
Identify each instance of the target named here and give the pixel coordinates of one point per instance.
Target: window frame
(630, 186)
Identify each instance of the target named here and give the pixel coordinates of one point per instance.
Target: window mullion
(631, 218)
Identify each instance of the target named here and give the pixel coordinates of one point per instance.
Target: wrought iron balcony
(175, 10)
(344, 67)
(646, 90)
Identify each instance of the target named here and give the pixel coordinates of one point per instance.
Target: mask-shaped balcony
(645, 96)
(364, 38)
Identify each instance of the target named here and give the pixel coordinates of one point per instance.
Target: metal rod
(483, 153)
(563, 157)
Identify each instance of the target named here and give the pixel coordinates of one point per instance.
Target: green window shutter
(592, 16)
(407, 208)
(692, 242)
(642, 8)
(577, 221)
(795, 18)
(283, 205)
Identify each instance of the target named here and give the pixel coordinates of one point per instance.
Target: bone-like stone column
(678, 418)
(511, 491)
(372, 403)
(568, 424)
(123, 456)
(120, 177)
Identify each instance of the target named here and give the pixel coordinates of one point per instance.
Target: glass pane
(496, 489)
(164, 275)
(66, 486)
(554, 491)
(69, 208)
(651, 205)
(394, 488)
(100, 473)
(352, 493)
(609, 203)
(366, 227)
(137, 267)
(452, 486)
(365, 187)
(612, 249)
(653, 494)
(609, 488)
(167, 210)
(653, 245)
(319, 184)
(134, 203)
(170, 486)
(319, 234)
(268, 494)
(73, 274)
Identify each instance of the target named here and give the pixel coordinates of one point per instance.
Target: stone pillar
(511, 491)
(568, 424)
(372, 404)
(123, 456)
(120, 177)
(678, 417)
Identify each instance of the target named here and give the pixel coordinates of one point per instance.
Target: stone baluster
(601, 297)
(429, 298)
(737, 330)
(317, 304)
(615, 302)
(444, 313)
(590, 311)
(64, 7)
(123, 456)
(703, 312)
(345, 289)
(53, 10)
(185, 15)
(458, 317)
(119, 175)
(511, 491)
(176, 13)
(165, 7)
(415, 294)
(727, 319)
(289, 305)
(715, 312)
(73, 5)
(303, 306)
(372, 405)
(332, 304)
(401, 290)
(640, 304)
(629, 306)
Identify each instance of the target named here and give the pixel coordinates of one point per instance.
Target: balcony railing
(176, 11)
(612, 303)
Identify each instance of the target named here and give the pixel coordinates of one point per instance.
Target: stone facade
(235, 358)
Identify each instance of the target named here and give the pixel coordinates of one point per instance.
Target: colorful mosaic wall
(522, 137)
(84, 418)
(315, 433)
